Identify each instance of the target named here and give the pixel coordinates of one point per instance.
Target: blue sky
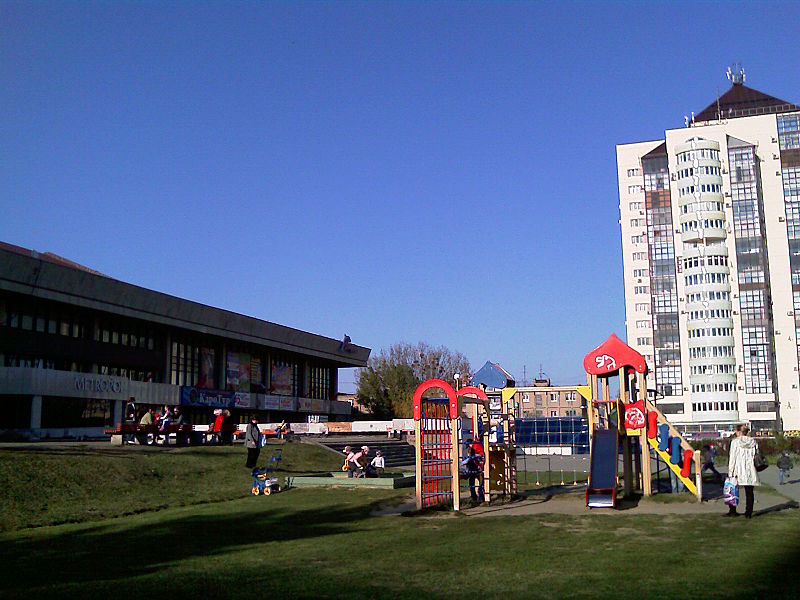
(438, 172)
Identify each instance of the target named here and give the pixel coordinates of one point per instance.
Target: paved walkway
(791, 489)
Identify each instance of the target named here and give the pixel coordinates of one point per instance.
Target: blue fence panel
(554, 431)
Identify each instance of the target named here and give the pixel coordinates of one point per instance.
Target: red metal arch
(471, 389)
(435, 383)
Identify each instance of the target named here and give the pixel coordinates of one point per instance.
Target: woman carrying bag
(741, 467)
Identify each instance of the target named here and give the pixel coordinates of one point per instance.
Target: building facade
(710, 222)
(545, 400)
(75, 346)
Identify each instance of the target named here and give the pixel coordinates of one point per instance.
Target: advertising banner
(287, 404)
(304, 405)
(207, 369)
(242, 400)
(340, 427)
(238, 372)
(317, 406)
(281, 379)
(192, 396)
(272, 403)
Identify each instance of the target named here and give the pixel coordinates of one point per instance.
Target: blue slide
(602, 489)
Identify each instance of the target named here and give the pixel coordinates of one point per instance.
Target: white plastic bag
(730, 492)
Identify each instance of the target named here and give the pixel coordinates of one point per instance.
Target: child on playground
(473, 464)
(355, 468)
(784, 465)
(376, 465)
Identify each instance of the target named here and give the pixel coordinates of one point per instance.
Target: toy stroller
(263, 483)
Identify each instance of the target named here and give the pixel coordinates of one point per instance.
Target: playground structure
(632, 421)
(440, 438)
(443, 427)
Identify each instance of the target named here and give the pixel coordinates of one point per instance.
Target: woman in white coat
(740, 465)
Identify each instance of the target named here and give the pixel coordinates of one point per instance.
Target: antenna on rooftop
(735, 74)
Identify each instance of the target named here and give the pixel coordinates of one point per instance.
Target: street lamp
(457, 377)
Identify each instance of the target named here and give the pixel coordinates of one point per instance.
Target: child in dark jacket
(473, 465)
(784, 465)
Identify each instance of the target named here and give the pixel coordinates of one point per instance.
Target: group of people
(162, 420)
(355, 468)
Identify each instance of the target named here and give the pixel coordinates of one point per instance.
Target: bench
(185, 433)
(182, 432)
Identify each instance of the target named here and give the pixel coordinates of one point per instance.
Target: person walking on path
(740, 466)
(252, 441)
(784, 465)
(709, 452)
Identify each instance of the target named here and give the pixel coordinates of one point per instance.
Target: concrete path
(791, 489)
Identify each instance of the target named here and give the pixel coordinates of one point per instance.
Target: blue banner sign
(192, 396)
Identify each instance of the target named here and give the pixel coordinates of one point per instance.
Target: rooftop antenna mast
(736, 74)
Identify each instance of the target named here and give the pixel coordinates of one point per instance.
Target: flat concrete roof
(26, 272)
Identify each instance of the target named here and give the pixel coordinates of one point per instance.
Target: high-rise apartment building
(710, 221)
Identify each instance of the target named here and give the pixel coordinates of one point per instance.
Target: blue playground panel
(554, 431)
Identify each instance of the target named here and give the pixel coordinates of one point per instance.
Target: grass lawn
(323, 543)
(54, 484)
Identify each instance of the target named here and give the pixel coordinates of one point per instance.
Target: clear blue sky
(397, 171)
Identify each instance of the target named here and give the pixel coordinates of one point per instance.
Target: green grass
(73, 484)
(323, 543)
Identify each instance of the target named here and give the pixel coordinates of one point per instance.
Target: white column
(36, 412)
(116, 412)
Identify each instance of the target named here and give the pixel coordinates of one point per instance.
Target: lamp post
(457, 377)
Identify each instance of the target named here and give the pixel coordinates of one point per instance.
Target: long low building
(76, 346)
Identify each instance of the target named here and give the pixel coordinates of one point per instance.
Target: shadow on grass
(776, 508)
(113, 551)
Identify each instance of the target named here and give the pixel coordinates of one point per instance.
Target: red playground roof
(610, 356)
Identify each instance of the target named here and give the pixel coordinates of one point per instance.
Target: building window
(320, 383)
(184, 363)
(633, 172)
